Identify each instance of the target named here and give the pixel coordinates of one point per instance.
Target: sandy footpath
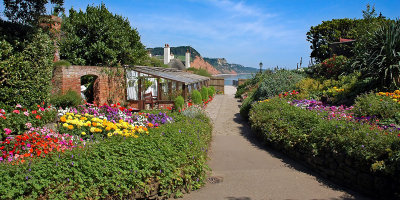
(251, 171)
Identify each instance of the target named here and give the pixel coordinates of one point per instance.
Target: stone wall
(109, 85)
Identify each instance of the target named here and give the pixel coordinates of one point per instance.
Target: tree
(369, 13)
(327, 32)
(28, 11)
(98, 37)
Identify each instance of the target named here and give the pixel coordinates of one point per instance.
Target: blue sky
(243, 32)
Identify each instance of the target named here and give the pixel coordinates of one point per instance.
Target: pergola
(183, 80)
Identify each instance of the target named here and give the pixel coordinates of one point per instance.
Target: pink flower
(16, 111)
(28, 125)
(7, 131)
(26, 113)
(18, 106)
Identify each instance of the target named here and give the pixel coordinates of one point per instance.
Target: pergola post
(169, 87)
(184, 90)
(159, 89)
(139, 88)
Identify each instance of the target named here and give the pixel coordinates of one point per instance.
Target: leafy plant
(179, 102)
(331, 68)
(212, 90)
(196, 97)
(379, 56)
(69, 99)
(204, 93)
(381, 107)
(173, 157)
(27, 73)
(98, 37)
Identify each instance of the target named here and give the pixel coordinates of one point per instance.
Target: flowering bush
(37, 142)
(15, 120)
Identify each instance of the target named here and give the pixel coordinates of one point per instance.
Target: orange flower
(63, 119)
(38, 117)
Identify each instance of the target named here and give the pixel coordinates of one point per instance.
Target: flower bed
(107, 151)
(358, 155)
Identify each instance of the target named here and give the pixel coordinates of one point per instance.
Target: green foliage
(251, 83)
(17, 118)
(173, 156)
(201, 72)
(378, 56)
(382, 107)
(211, 91)
(204, 93)
(294, 129)
(331, 68)
(26, 74)
(196, 97)
(98, 37)
(328, 32)
(309, 88)
(62, 63)
(28, 11)
(69, 99)
(246, 106)
(179, 102)
(276, 83)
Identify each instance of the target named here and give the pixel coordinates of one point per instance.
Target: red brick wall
(109, 85)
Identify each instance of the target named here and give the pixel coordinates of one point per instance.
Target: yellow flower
(65, 125)
(83, 133)
(109, 134)
(93, 129)
(98, 130)
(70, 127)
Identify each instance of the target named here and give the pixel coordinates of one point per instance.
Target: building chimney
(187, 59)
(167, 54)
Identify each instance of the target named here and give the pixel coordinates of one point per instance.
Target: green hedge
(171, 159)
(305, 133)
(26, 74)
(204, 93)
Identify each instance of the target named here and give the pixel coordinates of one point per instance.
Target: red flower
(38, 117)
(34, 111)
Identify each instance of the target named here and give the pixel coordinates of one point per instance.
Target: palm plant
(379, 57)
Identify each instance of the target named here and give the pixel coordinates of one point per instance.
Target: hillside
(226, 68)
(200, 63)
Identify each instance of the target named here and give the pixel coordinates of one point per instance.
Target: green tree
(29, 11)
(369, 13)
(327, 32)
(98, 37)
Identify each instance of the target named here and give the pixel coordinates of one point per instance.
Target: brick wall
(109, 85)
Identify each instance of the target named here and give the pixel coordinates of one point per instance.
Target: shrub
(307, 136)
(204, 93)
(309, 89)
(276, 83)
(211, 91)
(196, 97)
(179, 102)
(173, 157)
(331, 68)
(69, 99)
(26, 75)
(271, 84)
(382, 107)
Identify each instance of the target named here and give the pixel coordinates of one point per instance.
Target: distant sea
(230, 77)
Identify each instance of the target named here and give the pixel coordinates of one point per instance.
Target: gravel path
(251, 171)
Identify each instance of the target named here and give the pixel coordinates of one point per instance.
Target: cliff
(200, 63)
(224, 67)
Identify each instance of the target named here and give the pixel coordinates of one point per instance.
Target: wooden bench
(150, 99)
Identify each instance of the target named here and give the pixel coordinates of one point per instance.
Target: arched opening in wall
(89, 88)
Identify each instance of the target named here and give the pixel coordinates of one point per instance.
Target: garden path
(252, 171)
